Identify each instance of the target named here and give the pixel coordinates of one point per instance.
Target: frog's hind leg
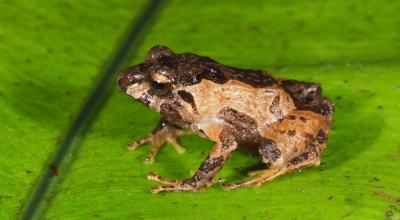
(270, 155)
(295, 142)
(261, 177)
(164, 132)
(309, 158)
(266, 175)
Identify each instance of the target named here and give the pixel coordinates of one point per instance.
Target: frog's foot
(164, 133)
(188, 185)
(263, 176)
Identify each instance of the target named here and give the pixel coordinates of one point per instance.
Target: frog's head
(159, 82)
(149, 80)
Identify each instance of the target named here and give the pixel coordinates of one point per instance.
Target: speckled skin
(286, 122)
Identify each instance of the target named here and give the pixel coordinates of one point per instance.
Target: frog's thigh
(293, 143)
(301, 135)
(273, 172)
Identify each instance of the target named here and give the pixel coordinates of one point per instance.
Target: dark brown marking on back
(237, 119)
(190, 69)
(187, 97)
(214, 75)
(244, 130)
(321, 106)
(254, 78)
(302, 92)
(275, 109)
(307, 96)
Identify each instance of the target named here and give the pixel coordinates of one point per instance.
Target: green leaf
(50, 55)
(351, 48)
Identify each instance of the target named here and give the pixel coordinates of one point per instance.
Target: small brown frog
(285, 122)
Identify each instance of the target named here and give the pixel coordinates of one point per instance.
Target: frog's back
(209, 90)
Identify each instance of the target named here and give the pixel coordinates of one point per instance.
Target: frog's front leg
(164, 132)
(204, 175)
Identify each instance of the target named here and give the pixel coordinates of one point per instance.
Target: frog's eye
(160, 89)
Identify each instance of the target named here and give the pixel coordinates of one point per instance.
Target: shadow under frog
(353, 132)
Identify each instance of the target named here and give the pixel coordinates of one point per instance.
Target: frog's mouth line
(136, 90)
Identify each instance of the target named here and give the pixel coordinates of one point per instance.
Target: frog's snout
(123, 81)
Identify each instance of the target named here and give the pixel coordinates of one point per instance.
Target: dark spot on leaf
(53, 169)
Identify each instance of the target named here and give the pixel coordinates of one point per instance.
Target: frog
(286, 123)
